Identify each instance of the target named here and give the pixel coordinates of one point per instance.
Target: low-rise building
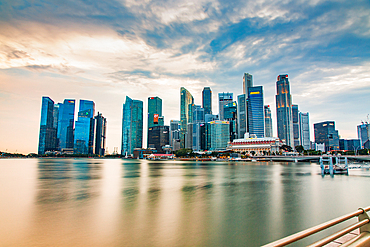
(253, 145)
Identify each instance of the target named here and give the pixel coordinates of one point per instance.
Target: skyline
(105, 51)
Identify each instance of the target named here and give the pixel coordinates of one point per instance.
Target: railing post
(363, 216)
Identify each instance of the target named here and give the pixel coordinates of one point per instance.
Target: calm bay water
(102, 202)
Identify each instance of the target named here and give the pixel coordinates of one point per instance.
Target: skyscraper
(186, 102)
(284, 110)
(155, 117)
(159, 136)
(132, 126)
(304, 125)
(268, 121)
(247, 82)
(100, 134)
(207, 100)
(363, 133)
(256, 120)
(230, 114)
(65, 131)
(47, 137)
(242, 116)
(85, 128)
(175, 134)
(296, 129)
(325, 133)
(218, 135)
(223, 99)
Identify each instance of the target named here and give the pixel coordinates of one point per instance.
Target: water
(102, 202)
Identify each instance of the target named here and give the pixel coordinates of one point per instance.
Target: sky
(107, 50)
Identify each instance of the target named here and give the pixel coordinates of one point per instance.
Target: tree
(183, 152)
(299, 149)
(286, 148)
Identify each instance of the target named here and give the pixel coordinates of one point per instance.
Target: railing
(363, 224)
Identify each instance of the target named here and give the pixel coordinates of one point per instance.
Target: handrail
(305, 233)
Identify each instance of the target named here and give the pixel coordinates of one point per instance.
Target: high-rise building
(207, 100)
(218, 135)
(230, 114)
(186, 102)
(284, 110)
(65, 132)
(155, 117)
(85, 128)
(100, 134)
(363, 133)
(210, 117)
(159, 136)
(304, 125)
(132, 126)
(247, 82)
(268, 121)
(198, 114)
(256, 119)
(296, 129)
(242, 116)
(47, 137)
(325, 133)
(349, 144)
(223, 99)
(175, 134)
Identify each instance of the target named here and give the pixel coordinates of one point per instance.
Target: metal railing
(363, 224)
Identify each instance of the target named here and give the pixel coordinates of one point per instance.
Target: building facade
(65, 132)
(349, 144)
(218, 135)
(223, 99)
(363, 133)
(230, 114)
(207, 100)
(85, 128)
(255, 146)
(159, 136)
(100, 134)
(48, 133)
(284, 110)
(242, 115)
(325, 133)
(296, 129)
(256, 119)
(247, 82)
(268, 121)
(304, 125)
(186, 102)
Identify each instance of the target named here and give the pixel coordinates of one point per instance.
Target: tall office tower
(325, 133)
(100, 134)
(218, 135)
(256, 119)
(284, 110)
(186, 102)
(155, 117)
(223, 99)
(296, 129)
(304, 125)
(363, 133)
(159, 136)
(247, 82)
(198, 120)
(242, 116)
(230, 114)
(207, 100)
(66, 124)
(268, 121)
(198, 114)
(132, 126)
(85, 128)
(56, 114)
(349, 144)
(209, 117)
(175, 134)
(47, 137)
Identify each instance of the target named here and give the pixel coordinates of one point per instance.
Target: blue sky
(105, 50)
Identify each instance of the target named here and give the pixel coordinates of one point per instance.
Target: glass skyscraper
(256, 120)
(47, 137)
(66, 124)
(268, 121)
(247, 82)
(84, 129)
(325, 133)
(100, 134)
(242, 116)
(207, 100)
(296, 129)
(230, 114)
(223, 99)
(284, 110)
(304, 125)
(363, 133)
(132, 126)
(218, 135)
(186, 102)
(155, 117)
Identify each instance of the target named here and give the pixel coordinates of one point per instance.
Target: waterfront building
(223, 99)
(296, 129)
(159, 136)
(349, 144)
(175, 134)
(65, 132)
(199, 136)
(47, 136)
(325, 133)
(100, 134)
(84, 128)
(247, 82)
(186, 102)
(230, 114)
(132, 126)
(268, 121)
(198, 120)
(255, 146)
(242, 115)
(284, 110)
(155, 117)
(256, 120)
(218, 135)
(363, 133)
(304, 126)
(207, 100)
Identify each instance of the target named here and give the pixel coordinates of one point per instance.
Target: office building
(65, 132)
(304, 125)
(296, 129)
(247, 82)
(209, 117)
(155, 117)
(132, 126)
(268, 121)
(186, 102)
(242, 116)
(223, 99)
(218, 135)
(100, 134)
(230, 114)
(363, 133)
(159, 136)
(325, 133)
(175, 134)
(47, 136)
(207, 100)
(349, 144)
(198, 114)
(85, 128)
(284, 110)
(256, 119)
